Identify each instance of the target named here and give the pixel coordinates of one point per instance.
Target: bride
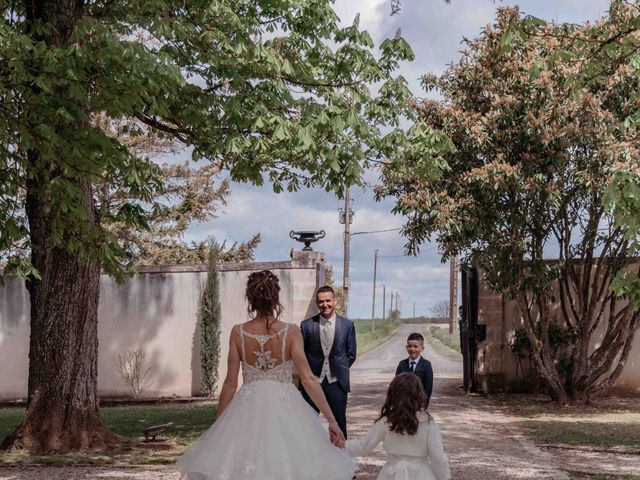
(266, 431)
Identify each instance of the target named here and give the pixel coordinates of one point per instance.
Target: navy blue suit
(341, 357)
(423, 370)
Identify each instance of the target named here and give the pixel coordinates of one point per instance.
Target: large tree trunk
(62, 413)
(591, 373)
(541, 354)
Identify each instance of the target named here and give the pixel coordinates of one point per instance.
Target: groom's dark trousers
(341, 357)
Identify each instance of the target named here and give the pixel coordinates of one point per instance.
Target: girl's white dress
(268, 431)
(410, 457)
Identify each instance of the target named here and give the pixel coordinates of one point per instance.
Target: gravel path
(478, 437)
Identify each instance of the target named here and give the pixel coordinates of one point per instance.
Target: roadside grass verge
(443, 343)
(368, 340)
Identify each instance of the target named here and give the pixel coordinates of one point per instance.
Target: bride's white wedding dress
(268, 431)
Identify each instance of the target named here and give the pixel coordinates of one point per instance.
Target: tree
(266, 92)
(188, 196)
(511, 168)
(339, 291)
(440, 309)
(610, 44)
(210, 324)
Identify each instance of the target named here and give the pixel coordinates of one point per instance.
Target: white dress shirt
(417, 361)
(327, 334)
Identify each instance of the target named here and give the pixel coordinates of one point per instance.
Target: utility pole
(373, 302)
(414, 309)
(390, 305)
(384, 303)
(347, 239)
(453, 293)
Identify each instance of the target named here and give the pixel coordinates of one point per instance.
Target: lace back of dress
(263, 356)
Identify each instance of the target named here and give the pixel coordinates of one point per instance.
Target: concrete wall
(156, 311)
(496, 365)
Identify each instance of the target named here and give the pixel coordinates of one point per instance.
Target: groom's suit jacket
(343, 351)
(423, 370)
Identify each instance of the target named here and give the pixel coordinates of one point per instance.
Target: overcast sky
(434, 30)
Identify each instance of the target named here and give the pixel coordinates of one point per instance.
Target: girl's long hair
(263, 295)
(405, 398)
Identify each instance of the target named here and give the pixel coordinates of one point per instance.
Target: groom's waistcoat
(343, 351)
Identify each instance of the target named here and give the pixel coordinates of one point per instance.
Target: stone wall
(156, 311)
(497, 366)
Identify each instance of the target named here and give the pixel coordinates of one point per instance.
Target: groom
(330, 346)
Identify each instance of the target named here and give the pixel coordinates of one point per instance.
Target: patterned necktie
(413, 366)
(325, 334)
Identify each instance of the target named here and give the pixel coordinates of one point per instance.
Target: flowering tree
(597, 52)
(512, 167)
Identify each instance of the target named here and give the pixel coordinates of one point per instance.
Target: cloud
(434, 30)
(374, 15)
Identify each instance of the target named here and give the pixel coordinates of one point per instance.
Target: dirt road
(478, 439)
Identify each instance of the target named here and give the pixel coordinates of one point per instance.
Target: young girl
(410, 435)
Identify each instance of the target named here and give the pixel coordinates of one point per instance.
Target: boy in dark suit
(417, 364)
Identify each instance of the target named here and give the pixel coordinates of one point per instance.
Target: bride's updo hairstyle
(263, 295)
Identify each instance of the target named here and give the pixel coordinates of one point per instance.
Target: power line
(378, 231)
(401, 255)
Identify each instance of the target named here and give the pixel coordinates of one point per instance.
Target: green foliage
(558, 337)
(275, 92)
(623, 199)
(602, 51)
(512, 167)
(561, 341)
(209, 323)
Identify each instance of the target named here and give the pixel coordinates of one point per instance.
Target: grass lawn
(189, 420)
(443, 343)
(609, 423)
(367, 340)
(595, 433)
(582, 476)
